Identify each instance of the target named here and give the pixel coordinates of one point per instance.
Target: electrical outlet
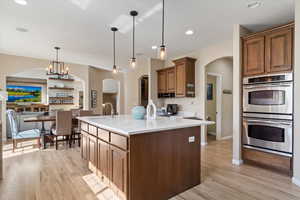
(191, 139)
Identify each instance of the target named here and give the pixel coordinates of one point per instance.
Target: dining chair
(21, 136)
(76, 126)
(63, 128)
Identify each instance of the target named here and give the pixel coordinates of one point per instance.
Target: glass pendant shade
(115, 70)
(162, 52)
(133, 62)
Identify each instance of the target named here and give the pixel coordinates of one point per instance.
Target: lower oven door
(268, 134)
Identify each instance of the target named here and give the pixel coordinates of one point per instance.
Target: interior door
(279, 51)
(254, 56)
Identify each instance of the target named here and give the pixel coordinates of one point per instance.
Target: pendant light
(57, 67)
(162, 51)
(133, 59)
(114, 30)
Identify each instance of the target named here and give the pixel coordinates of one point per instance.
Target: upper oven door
(274, 98)
(270, 134)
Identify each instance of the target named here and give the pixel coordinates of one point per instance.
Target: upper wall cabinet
(185, 77)
(178, 81)
(254, 56)
(270, 51)
(279, 50)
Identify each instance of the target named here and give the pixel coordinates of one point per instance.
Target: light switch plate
(191, 139)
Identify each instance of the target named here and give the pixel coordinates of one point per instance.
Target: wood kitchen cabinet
(254, 56)
(84, 145)
(177, 81)
(279, 50)
(162, 81)
(103, 160)
(185, 77)
(170, 74)
(270, 51)
(92, 152)
(118, 171)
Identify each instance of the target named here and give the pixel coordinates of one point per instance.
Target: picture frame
(210, 91)
(93, 98)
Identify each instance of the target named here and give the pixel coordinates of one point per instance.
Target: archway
(218, 98)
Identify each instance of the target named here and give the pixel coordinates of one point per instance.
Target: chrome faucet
(112, 112)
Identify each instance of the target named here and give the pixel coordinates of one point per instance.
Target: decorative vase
(151, 110)
(138, 112)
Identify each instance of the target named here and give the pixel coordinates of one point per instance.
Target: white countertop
(126, 125)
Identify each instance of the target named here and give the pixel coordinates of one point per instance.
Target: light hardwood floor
(59, 175)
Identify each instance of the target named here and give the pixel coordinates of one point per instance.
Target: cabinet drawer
(119, 141)
(103, 135)
(84, 127)
(93, 130)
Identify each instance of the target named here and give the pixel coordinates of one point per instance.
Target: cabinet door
(162, 82)
(279, 51)
(118, 167)
(170, 80)
(84, 145)
(93, 150)
(180, 73)
(254, 56)
(103, 159)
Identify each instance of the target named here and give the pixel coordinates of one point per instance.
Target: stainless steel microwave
(268, 94)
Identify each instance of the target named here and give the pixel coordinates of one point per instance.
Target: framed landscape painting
(17, 93)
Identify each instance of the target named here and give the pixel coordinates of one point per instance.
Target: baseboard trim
(237, 162)
(226, 137)
(203, 143)
(212, 133)
(296, 181)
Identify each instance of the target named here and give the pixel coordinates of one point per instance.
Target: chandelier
(57, 67)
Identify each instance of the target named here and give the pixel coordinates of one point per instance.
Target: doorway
(214, 104)
(144, 90)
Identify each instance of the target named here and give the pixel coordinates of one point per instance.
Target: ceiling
(82, 27)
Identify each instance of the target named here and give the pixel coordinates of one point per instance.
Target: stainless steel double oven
(268, 113)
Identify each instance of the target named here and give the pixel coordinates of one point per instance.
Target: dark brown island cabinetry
(177, 81)
(270, 51)
(156, 165)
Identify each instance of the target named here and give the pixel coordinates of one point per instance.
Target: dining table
(46, 136)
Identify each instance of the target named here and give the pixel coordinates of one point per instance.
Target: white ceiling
(82, 27)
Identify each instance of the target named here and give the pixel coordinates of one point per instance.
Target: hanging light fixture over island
(133, 59)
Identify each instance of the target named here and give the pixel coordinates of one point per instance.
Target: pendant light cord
(163, 24)
(114, 50)
(133, 37)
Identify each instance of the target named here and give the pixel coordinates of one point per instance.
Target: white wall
(212, 104)
(224, 67)
(296, 178)
(238, 32)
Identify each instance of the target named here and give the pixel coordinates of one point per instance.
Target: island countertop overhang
(126, 125)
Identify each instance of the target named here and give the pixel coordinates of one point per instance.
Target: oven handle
(266, 85)
(269, 122)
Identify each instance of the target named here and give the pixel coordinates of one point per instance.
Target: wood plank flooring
(62, 175)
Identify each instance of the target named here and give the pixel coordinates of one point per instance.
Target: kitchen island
(140, 159)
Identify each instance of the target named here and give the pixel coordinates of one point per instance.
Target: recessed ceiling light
(154, 47)
(21, 2)
(189, 32)
(23, 30)
(254, 4)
